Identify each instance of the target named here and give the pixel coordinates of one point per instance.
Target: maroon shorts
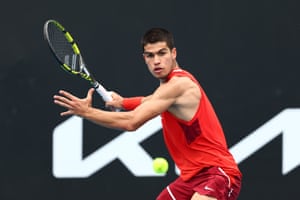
(212, 182)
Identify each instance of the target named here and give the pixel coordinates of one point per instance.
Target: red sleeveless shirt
(200, 142)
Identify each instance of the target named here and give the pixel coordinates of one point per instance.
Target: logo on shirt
(209, 188)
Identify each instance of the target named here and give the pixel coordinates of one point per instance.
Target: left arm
(161, 100)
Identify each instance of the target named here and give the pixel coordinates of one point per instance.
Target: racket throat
(95, 84)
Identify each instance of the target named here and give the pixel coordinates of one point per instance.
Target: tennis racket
(67, 53)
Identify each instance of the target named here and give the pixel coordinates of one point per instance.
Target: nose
(156, 59)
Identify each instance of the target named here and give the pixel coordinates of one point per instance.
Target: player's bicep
(161, 100)
(149, 109)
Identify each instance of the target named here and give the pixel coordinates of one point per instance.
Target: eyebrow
(160, 50)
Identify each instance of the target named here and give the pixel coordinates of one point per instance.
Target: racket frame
(84, 72)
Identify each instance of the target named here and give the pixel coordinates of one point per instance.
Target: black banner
(244, 53)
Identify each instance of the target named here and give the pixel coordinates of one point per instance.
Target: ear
(143, 54)
(144, 57)
(174, 53)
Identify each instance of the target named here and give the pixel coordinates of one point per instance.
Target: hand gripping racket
(67, 53)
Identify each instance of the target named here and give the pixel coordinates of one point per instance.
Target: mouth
(157, 70)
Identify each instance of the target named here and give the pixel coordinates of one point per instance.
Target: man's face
(159, 59)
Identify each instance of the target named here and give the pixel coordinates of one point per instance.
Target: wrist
(131, 103)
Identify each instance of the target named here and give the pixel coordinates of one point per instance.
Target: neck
(168, 76)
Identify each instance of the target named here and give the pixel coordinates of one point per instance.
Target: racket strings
(63, 48)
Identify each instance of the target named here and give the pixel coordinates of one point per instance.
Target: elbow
(132, 123)
(131, 126)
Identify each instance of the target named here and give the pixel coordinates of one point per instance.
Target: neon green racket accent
(76, 49)
(66, 67)
(58, 25)
(69, 37)
(86, 77)
(83, 75)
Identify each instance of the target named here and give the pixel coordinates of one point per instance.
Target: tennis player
(192, 131)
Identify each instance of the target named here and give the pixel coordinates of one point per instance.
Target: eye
(149, 55)
(161, 53)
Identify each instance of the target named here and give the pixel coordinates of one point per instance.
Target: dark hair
(158, 35)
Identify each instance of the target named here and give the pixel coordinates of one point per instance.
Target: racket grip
(106, 96)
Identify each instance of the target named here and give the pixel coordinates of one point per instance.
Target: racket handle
(106, 96)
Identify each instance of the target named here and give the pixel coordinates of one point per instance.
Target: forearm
(115, 120)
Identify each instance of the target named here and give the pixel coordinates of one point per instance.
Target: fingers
(62, 100)
(116, 100)
(66, 94)
(73, 104)
(65, 100)
(66, 113)
(90, 93)
(115, 95)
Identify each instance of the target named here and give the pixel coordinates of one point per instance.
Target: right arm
(118, 100)
(164, 98)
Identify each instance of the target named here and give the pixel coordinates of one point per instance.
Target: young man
(192, 131)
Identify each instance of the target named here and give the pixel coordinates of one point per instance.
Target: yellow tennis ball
(160, 165)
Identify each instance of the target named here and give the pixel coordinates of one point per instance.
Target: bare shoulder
(182, 82)
(183, 85)
(186, 97)
(179, 83)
